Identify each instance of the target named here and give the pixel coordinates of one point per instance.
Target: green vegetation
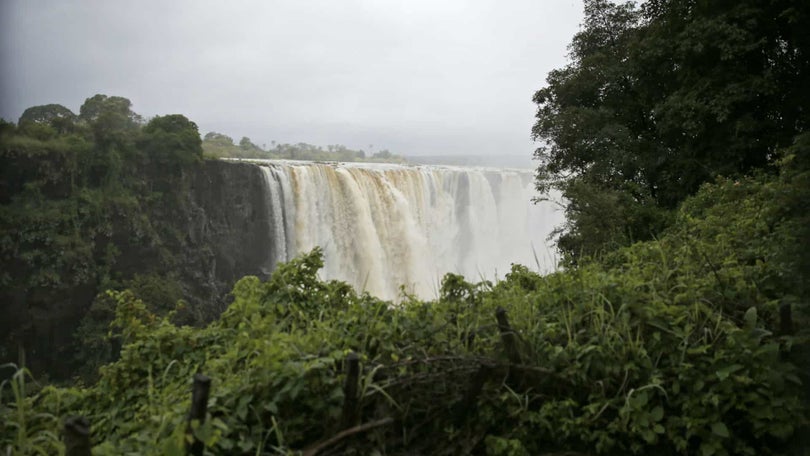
(97, 201)
(679, 326)
(661, 98)
(669, 346)
(218, 145)
(81, 196)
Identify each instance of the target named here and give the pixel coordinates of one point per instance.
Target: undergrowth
(665, 347)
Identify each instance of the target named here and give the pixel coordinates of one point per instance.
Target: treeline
(662, 97)
(103, 140)
(100, 200)
(85, 200)
(222, 146)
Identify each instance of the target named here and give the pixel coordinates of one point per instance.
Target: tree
(383, 154)
(46, 114)
(111, 119)
(248, 149)
(99, 106)
(219, 145)
(661, 98)
(171, 141)
(218, 138)
(47, 120)
(114, 127)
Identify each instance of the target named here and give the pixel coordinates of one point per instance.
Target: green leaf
(723, 373)
(657, 413)
(750, 318)
(639, 400)
(720, 429)
(707, 449)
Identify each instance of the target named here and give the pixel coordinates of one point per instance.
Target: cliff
(207, 229)
(226, 228)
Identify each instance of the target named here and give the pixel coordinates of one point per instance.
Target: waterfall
(383, 226)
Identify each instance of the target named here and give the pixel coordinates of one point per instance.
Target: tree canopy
(172, 140)
(46, 113)
(219, 145)
(99, 106)
(660, 98)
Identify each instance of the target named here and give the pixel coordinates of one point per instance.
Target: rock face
(214, 232)
(226, 230)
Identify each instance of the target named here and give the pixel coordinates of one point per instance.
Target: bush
(649, 354)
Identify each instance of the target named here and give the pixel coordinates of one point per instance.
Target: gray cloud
(416, 77)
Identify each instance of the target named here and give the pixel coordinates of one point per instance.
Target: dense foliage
(670, 346)
(679, 123)
(80, 198)
(661, 98)
(222, 146)
(97, 201)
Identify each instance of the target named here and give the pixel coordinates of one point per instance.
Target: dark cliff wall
(226, 228)
(208, 230)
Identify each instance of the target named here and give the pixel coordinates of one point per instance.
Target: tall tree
(660, 98)
(100, 105)
(46, 114)
(110, 118)
(47, 120)
(171, 141)
(115, 128)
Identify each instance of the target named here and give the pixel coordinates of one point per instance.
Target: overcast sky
(416, 77)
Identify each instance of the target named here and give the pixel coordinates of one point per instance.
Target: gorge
(380, 226)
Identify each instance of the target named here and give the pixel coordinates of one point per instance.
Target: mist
(415, 77)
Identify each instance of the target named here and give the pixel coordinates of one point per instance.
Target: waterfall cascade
(383, 226)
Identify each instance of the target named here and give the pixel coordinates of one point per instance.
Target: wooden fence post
(77, 436)
(785, 320)
(350, 399)
(199, 407)
(467, 405)
(508, 337)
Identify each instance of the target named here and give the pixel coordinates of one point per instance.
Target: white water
(383, 226)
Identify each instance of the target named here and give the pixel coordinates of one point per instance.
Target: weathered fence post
(785, 320)
(77, 436)
(785, 328)
(199, 407)
(467, 404)
(350, 399)
(508, 337)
